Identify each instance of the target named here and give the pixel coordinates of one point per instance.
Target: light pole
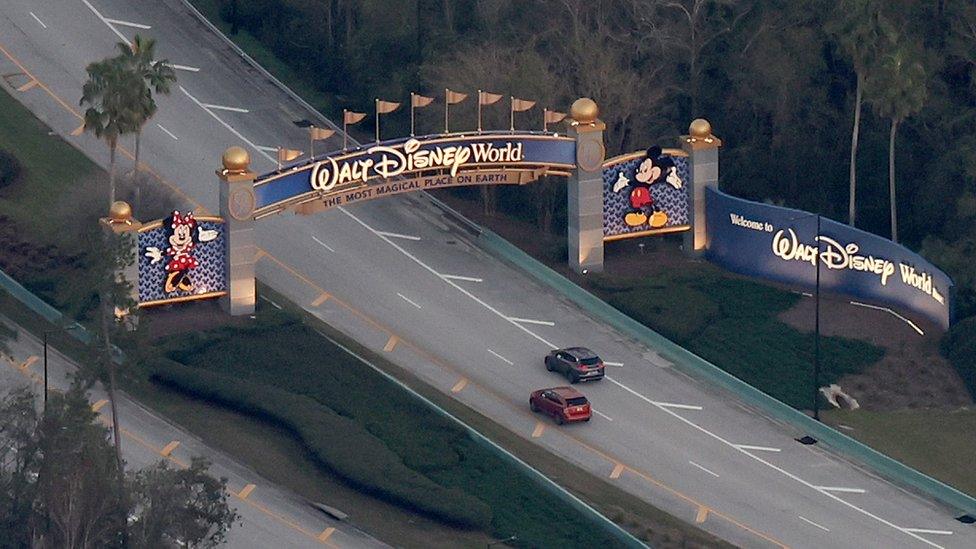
(816, 320)
(46, 332)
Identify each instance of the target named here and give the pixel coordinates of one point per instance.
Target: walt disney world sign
(404, 165)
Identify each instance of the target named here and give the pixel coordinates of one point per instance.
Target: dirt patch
(912, 374)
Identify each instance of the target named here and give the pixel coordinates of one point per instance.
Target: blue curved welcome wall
(780, 244)
(428, 162)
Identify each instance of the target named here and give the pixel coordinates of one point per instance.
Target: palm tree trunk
(854, 136)
(111, 172)
(107, 354)
(891, 179)
(135, 166)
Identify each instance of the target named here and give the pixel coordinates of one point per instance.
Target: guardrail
(693, 365)
(52, 315)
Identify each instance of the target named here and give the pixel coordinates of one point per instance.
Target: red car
(564, 404)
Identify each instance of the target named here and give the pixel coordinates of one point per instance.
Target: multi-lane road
(407, 281)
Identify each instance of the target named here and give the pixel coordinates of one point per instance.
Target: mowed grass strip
(290, 362)
(50, 167)
(939, 443)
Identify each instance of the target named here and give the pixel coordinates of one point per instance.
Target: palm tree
(114, 98)
(899, 90)
(860, 28)
(157, 76)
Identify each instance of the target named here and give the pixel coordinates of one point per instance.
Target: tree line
(60, 485)
(859, 109)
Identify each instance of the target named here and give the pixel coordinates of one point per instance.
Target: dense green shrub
(10, 169)
(338, 442)
(959, 346)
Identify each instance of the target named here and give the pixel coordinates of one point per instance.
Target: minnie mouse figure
(655, 168)
(182, 239)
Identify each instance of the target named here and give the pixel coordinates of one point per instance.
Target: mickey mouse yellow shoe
(658, 219)
(635, 219)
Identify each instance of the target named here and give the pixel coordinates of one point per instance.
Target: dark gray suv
(576, 363)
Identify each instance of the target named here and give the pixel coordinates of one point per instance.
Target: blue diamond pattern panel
(665, 197)
(210, 275)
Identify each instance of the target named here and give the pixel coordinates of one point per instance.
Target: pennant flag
(488, 98)
(521, 105)
(418, 101)
(454, 97)
(318, 134)
(286, 155)
(553, 117)
(385, 107)
(350, 117)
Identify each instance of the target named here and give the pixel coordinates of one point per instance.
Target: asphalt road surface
(270, 516)
(405, 280)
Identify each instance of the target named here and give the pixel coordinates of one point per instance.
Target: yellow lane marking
(702, 514)
(260, 254)
(390, 343)
(539, 428)
(617, 470)
(30, 360)
(321, 299)
(78, 131)
(326, 533)
(460, 385)
(246, 491)
(27, 86)
(168, 449)
(98, 405)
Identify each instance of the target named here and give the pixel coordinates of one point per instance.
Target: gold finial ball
(584, 110)
(236, 159)
(120, 212)
(700, 128)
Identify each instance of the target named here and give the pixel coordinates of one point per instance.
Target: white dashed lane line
(407, 299)
(842, 489)
(808, 521)
(127, 24)
(169, 133)
(323, 244)
(228, 126)
(531, 321)
(36, 18)
(601, 414)
(500, 357)
(614, 364)
(714, 474)
(101, 18)
(182, 67)
(464, 278)
(756, 448)
(398, 235)
(224, 108)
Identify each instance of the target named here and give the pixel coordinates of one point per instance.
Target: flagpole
(447, 105)
(479, 111)
(345, 131)
(411, 113)
(311, 143)
(545, 120)
(511, 103)
(377, 120)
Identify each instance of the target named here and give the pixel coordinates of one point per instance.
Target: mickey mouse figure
(655, 168)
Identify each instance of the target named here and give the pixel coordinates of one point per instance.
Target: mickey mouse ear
(654, 152)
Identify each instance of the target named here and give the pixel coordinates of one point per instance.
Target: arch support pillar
(237, 204)
(585, 189)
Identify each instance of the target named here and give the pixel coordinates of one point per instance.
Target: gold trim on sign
(180, 299)
(649, 232)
